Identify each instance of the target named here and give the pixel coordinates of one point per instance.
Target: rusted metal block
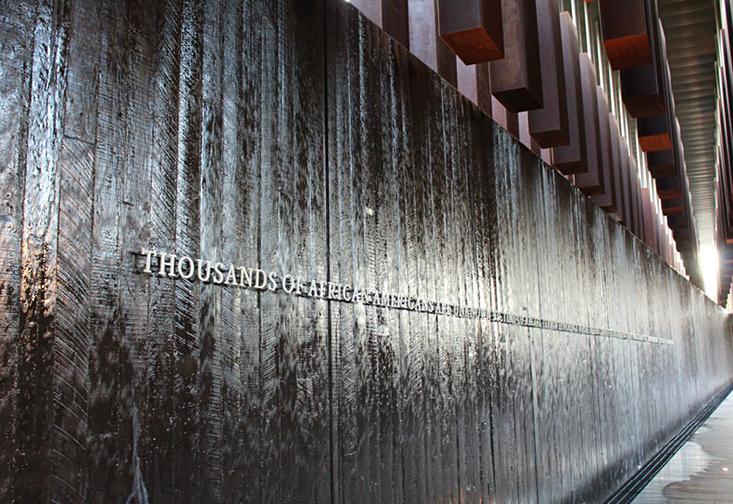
(395, 20)
(661, 163)
(654, 133)
(425, 42)
(617, 170)
(634, 223)
(516, 80)
(626, 179)
(390, 15)
(472, 29)
(683, 239)
(646, 90)
(668, 188)
(572, 158)
(673, 206)
(726, 255)
(474, 84)
(549, 125)
(590, 182)
(606, 200)
(642, 92)
(625, 33)
(650, 236)
(632, 219)
(677, 222)
(483, 87)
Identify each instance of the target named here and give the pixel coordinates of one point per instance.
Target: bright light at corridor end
(709, 268)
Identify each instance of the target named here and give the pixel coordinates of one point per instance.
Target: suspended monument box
(654, 133)
(646, 89)
(625, 165)
(661, 163)
(426, 44)
(473, 29)
(641, 92)
(390, 15)
(668, 188)
(616, 167)
(549, 124)
(607, 200)
(673, 206)
(625, 33)
(677, 222)
(650, 224)
(590, 182)
(395, 19)
(572, 159)
(516, 80)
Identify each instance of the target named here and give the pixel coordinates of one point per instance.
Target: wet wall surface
(296, 138)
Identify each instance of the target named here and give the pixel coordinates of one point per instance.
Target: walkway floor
(702, 471)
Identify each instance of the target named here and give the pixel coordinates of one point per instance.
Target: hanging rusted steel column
(425, 41)
(625, 167)
(642, 92)
(634, 196)
(474, 83)
(591, 182)
(644, 87)
(472, 29)
(391, 15)
(572, 158)
(654, 133)
(616, 141)
(625, 33)
(516, 80)
(549, 125)
(661, 163)
(606, 200)
(668, 188)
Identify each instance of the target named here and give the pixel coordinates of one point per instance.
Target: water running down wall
(296, 137)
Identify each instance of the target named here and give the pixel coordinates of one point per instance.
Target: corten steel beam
(646, 213)
(391, 15)
(668, 188)
(726, 255)
(626, 180)
(726, 271)
(644, 89)
(590, 182)
(677, 222)
(425, 42)
(642, 225)
(474, 82)
(674, 206)
(635, 198)
(661, 163)
(472, 29)
(654, 133)
(625, 33)
(684, 240)
(549, 125)
(606, 200)
(616, 165)
(631, 197)
(641, 91)
(516, 80)
(572, 158)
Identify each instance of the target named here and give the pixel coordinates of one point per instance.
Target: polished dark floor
(702, 471)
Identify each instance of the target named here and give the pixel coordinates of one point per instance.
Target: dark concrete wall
(296, 137)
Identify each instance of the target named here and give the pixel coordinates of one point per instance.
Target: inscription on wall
(163, 264)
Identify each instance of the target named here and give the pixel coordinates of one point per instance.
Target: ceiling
(691, 30)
